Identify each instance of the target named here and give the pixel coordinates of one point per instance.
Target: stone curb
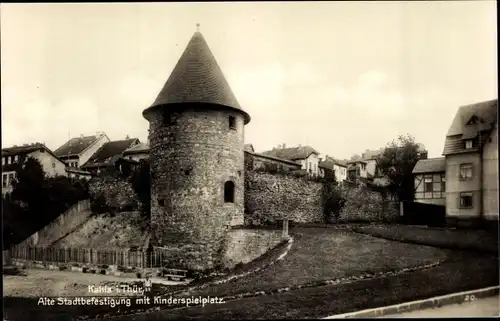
(434, 302)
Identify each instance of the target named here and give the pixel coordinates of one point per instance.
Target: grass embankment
(458, 239)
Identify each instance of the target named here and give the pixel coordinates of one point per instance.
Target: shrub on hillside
(98, 204)
(141, 183)
(37, 200)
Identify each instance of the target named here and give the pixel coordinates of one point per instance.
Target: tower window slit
(229, 192)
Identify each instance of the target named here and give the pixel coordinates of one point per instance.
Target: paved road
(487, 307)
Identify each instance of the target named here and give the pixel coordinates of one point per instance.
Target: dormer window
(232, 122)
(469, 143)
(473, 120)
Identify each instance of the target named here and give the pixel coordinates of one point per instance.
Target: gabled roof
(257, 155)
(76, 145)
(430, 165)
(249, 147)
(136, 149)
(109, 153)
(22, 152)
(486, 112)
(293, 153)
(197, 78)
(372, 154)
(329, 163)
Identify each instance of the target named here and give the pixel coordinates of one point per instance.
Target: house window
(465, 172)
(232, 122)
(443, 183)
(15, 158)
(428, 184)
(228, 192)
(466, 200)
(3, 160)
(8, 160)
(469, 144)
(4, 180)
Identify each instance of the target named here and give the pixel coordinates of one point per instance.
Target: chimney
(81, 135)
(300, 145)
(127, 137)
(284, 145)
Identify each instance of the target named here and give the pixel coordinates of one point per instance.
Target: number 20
(470, 297)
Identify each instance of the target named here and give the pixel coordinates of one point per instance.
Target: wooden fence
(126, 258)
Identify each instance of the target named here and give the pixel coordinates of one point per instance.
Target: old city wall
(365, 205)
(117, 191)
(271, 197)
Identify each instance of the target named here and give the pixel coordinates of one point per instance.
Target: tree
(397, 162)
(28, 185)
(141, 183)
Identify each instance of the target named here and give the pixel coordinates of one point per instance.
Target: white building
(77, 151)
(12, 157)
(306, 156)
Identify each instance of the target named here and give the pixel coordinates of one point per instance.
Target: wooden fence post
(401, 209)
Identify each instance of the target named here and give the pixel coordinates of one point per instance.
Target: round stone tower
(196, 135)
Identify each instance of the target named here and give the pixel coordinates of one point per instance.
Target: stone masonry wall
(245, 245)
(365, 205)
(271, 197)
(117, 191)
(191, 159)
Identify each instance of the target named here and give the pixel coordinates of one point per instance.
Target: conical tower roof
(197, 78)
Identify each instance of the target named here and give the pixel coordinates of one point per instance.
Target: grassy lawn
(317, 254)
(320, 254)
(464, 272)
(476, 240)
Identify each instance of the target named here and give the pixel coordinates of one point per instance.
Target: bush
(139, 275)
(98, 205)
(333, 203)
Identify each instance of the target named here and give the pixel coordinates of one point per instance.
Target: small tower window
(229, 192)
(232, 122)
(161, 202)
(167, 118)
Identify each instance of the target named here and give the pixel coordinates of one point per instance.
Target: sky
(341, 77)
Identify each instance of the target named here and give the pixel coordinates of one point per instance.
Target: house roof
(273, 158)
(109, 152)
(329, 163)
(22, 151)
(249, 147)
(486, 112)
(136, 149)
(197, 78)
(76, 171)
(76, 145)
(293, 153)
(372, 154)
(430, 165)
